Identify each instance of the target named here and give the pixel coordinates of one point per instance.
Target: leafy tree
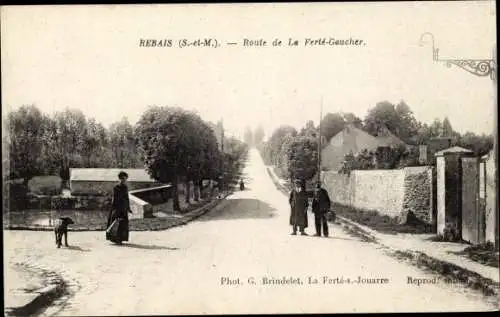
(177, 145)
(436, 128)
(164, 137)
(383, 114)
(276, 141)
(26, 129)
(302, 158)
(283, 163)
(352, 119)
(70, 127)
(309, 130)
(235, 152)
(331, 124)
(424, 134)
(447, 129)
(408, 126)
(123, 144)
(479, 144)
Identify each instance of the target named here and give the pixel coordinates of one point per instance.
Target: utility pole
(319, 140)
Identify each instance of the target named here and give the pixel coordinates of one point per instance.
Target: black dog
(60, 229)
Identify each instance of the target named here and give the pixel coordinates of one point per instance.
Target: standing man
(298, 203)
(320, 207)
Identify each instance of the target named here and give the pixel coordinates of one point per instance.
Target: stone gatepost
(473, 217)
(490, 199)
(449, 190)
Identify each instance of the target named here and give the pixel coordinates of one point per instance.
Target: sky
(88, 57)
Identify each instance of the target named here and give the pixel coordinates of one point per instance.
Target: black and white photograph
(251, 158)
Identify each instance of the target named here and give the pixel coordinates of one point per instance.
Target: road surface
(193, 269)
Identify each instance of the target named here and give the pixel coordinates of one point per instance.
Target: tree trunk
(196, 187)
(175, 188)
(188, 191)
(200, 186)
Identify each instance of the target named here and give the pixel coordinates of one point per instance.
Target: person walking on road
(320, 207)
(298, 204)
(117, 227)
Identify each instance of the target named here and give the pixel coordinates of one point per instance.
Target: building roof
(454, 150)
(109, 174)
(354, 140)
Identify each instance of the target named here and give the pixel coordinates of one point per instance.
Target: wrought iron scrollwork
(478, 67)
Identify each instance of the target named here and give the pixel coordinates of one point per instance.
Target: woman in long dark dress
(118, 232)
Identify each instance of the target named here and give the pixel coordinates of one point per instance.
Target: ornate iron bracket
(478, 67)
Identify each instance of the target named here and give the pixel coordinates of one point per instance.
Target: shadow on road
(148, 247)
(242, 208)
(77, 248)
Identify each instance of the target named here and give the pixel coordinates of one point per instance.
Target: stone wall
(394, 193)
(338, 187)
(380, 190)
(418, 192)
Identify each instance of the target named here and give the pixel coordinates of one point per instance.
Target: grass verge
(483, 253)
(376, 221)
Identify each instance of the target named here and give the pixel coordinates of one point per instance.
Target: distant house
(354, 140)
(100, 181)
(434, 145)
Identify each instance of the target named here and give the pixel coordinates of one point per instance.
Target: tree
(169, 141)
(447, 129)
(479, 144)
(436, 128)
(26, 142)
(331, 124)
(302, 158)
(123, 144)
(352, 119)
(258, 135)
(383, 114)
(276, 141)
(407, 124)
(282, 160)
(207, 167)
(309, 130)
(70, 127)
(424, 133)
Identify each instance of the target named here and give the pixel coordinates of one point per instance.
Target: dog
(60, 229)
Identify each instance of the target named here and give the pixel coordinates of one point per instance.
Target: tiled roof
(109, 174)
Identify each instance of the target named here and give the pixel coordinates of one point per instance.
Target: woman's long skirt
(117, 230)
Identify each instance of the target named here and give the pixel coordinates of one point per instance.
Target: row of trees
(171, 143)
(40, 144)
(397, 119)
(177, 145)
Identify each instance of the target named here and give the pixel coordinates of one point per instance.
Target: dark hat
(122, 174)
